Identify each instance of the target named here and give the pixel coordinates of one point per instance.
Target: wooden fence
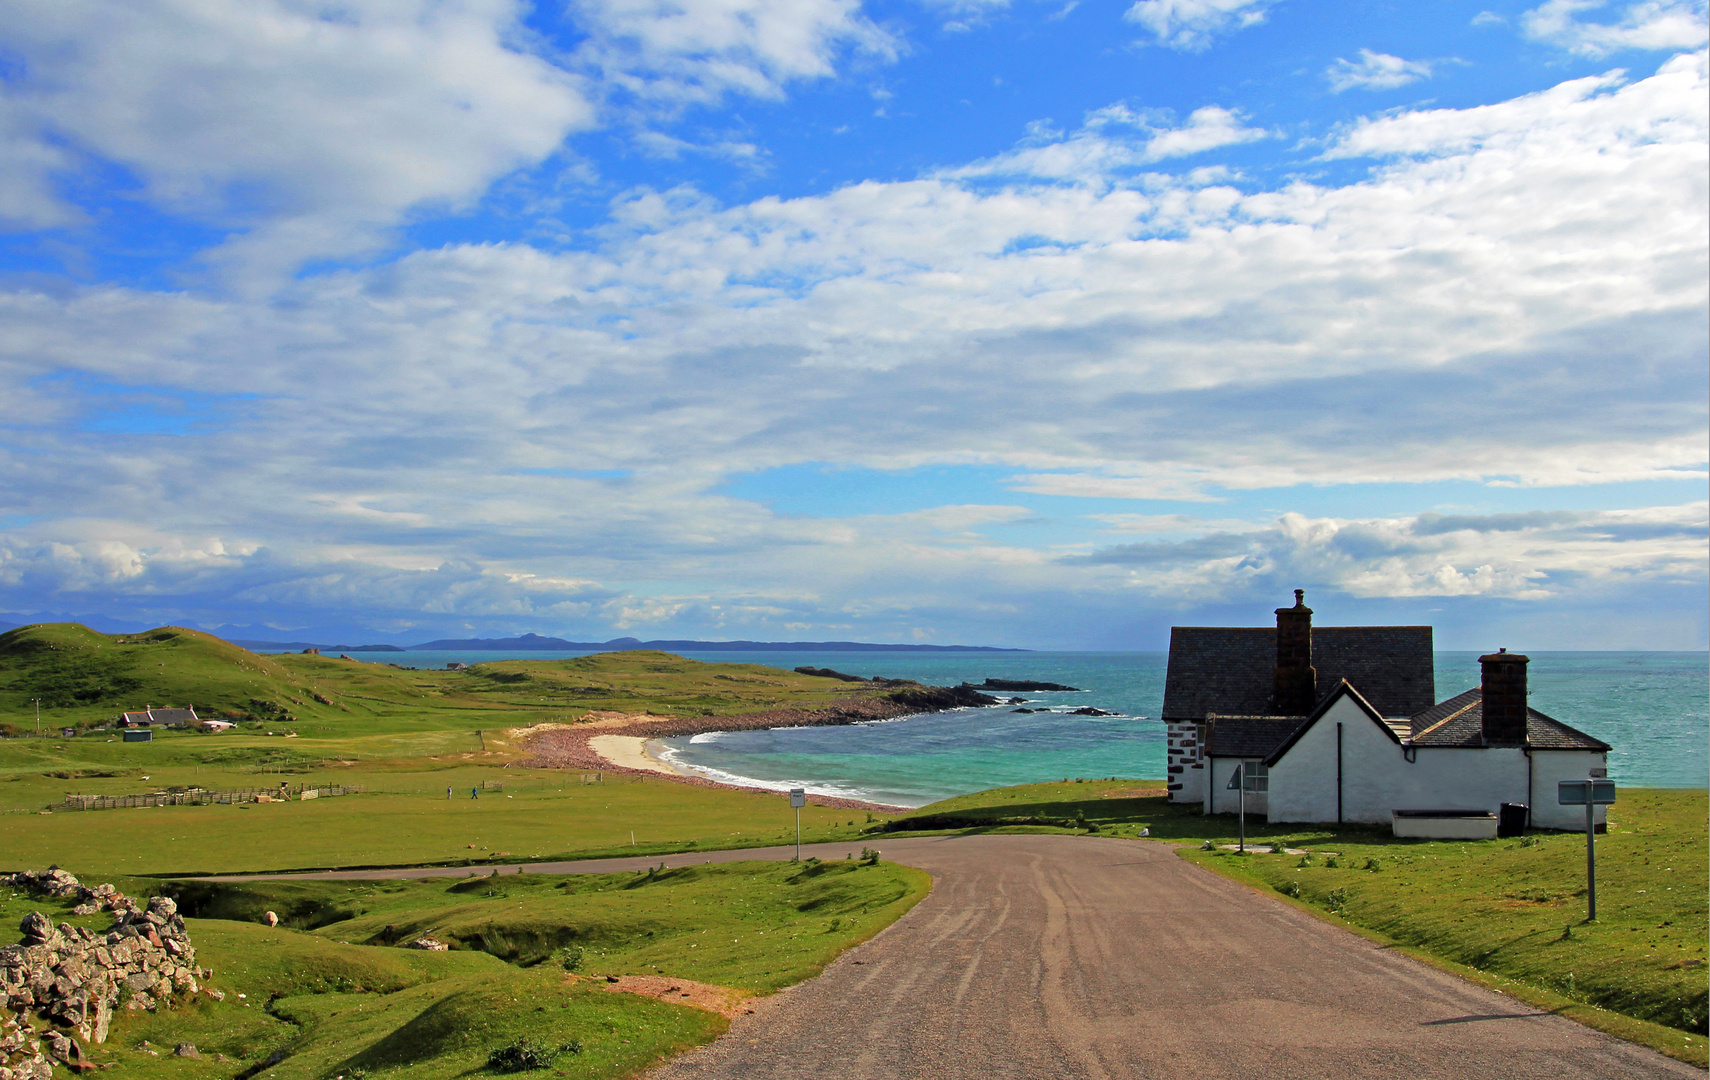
(204, 797)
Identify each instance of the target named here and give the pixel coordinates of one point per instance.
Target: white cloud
(1375, 71)
(1192, 24)
(1115, 139)
(677, 52)
(1514, 295)
(28, 165)
(1530, 557)
(306, 131)
(1647, 24)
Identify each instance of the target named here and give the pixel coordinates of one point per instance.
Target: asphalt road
(1060, 956)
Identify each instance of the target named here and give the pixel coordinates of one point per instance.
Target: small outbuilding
(140, 734)
(216, 726)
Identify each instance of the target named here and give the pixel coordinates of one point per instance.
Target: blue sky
(1041, 324)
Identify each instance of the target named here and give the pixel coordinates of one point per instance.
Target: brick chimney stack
(1295, 682)
(1503, 686)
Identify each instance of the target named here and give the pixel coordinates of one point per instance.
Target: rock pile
(72, 978)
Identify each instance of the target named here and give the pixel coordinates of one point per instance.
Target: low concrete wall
(1448, 825)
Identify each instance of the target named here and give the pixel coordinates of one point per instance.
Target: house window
(1257, 777)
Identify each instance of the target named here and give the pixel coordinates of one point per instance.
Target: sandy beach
(618, 741)
(630, 752)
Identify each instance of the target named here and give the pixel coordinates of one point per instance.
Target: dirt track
(1058, 956)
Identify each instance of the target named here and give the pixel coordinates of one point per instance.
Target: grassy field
(327, 993)
(1512, 911)
(405, 737)
(406, 820)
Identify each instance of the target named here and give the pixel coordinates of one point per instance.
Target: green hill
(84, 678)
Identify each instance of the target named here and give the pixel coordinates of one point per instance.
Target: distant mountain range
(536, 643)
(299, 646)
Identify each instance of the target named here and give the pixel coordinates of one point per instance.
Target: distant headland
(537, 643)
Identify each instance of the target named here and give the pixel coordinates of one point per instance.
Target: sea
(1653, 708)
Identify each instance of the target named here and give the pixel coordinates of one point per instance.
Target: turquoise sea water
(1651, 707)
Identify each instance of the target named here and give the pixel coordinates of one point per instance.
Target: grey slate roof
(159, 716)
(1459, 721)
(1249, 736)
(1228, 669)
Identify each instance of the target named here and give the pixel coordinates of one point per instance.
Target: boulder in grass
(427, 944)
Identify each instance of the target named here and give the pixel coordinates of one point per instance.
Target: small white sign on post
(798, 799)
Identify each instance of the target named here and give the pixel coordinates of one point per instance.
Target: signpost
(798, 799)
(1244, 780)
(1589, 793)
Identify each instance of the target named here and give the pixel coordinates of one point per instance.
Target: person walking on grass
(475, 792)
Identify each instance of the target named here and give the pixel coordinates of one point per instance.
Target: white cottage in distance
(1342, 725)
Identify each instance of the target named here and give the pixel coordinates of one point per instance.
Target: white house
(1383, 755)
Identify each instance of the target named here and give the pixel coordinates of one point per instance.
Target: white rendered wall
(1377, 779)
(1550, 766)
(1472, 778)
(1224, 801)
(1303, 783)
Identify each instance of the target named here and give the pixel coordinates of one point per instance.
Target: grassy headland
(84, 678)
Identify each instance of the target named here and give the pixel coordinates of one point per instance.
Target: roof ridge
(1457, 713)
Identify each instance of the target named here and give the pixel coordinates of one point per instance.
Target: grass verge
(325, 995)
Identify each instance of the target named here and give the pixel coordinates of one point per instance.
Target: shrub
(1374, 864)
(1278, 847)
(570, 957)
(1331, 863)
(1337, 900)
(1289, 888)
(526, 1055)
(869, 857)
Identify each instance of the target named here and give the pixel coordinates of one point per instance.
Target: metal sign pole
(1590, 863)
(798, 799)
(1590, 793)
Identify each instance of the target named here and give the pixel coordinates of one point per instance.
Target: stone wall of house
(1185, 761)
(60, 985)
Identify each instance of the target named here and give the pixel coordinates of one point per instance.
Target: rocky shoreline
(567, 746)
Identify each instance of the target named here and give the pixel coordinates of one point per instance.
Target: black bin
(1512, 820)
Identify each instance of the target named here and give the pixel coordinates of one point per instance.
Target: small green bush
(1337, 900)
(526, 1055)
(1289, 888)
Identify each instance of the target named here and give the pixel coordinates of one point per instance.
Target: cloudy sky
(1041, 323)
